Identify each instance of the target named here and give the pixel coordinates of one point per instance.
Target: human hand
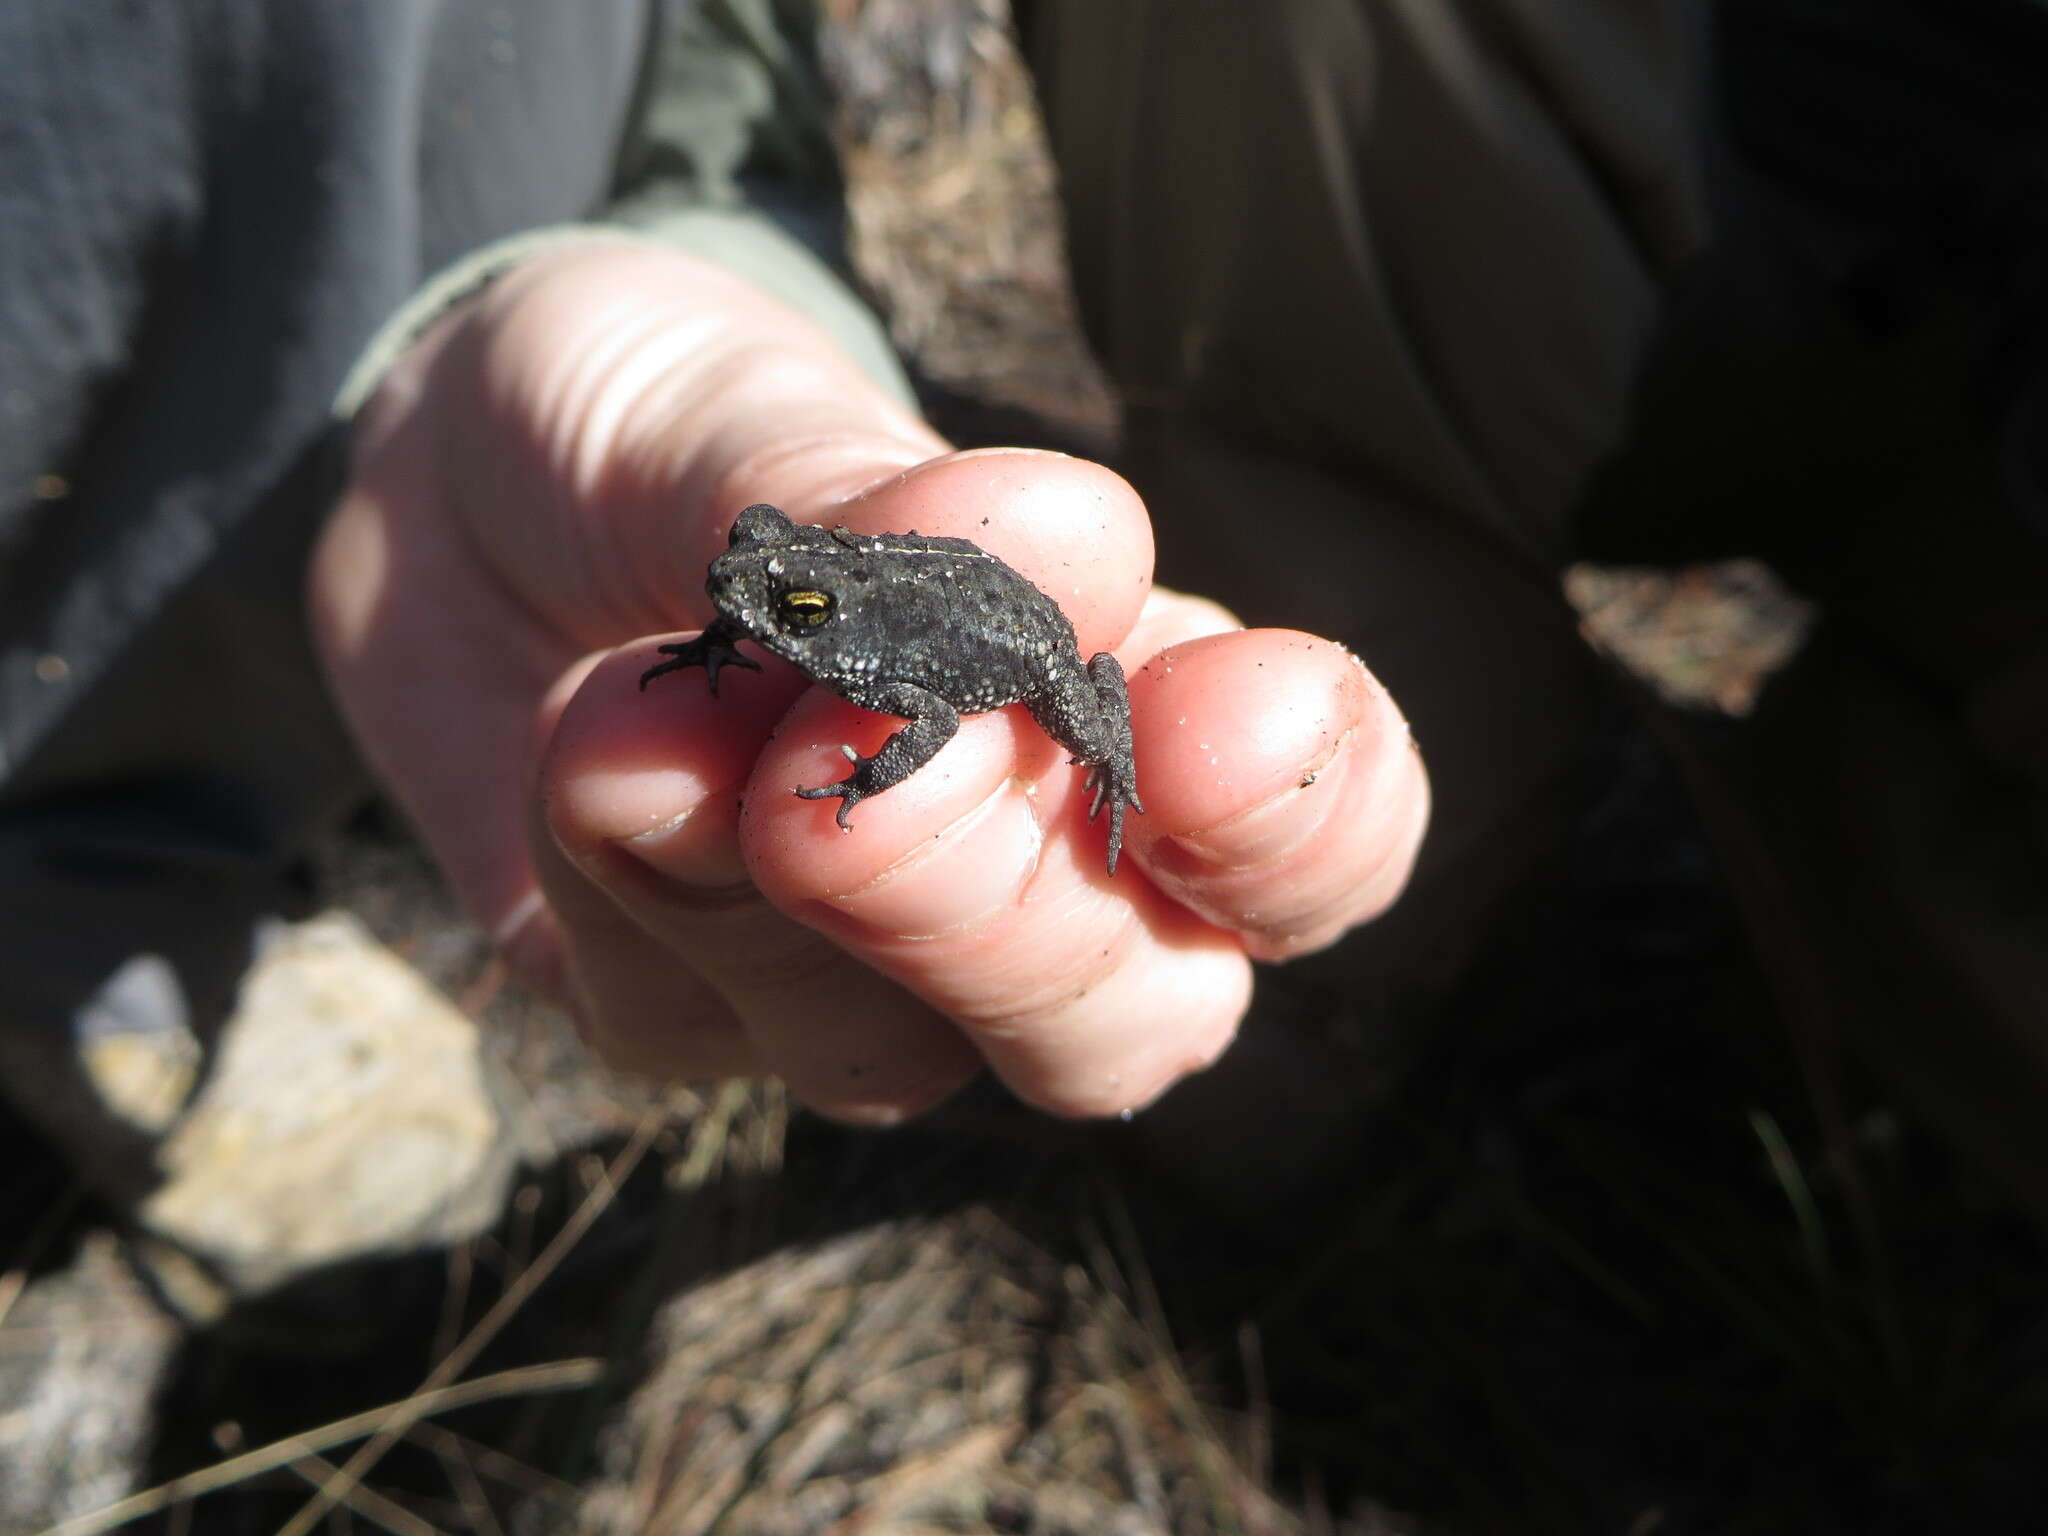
(546, 476)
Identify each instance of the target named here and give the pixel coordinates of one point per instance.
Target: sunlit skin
(538, 488)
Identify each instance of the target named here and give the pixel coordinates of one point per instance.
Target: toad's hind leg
(1113, 778)
(932, 724)
(1091, 717)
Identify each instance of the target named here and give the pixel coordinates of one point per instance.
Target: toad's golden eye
(805, 610)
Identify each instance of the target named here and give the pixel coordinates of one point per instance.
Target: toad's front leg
(711, 650)
(932, 724)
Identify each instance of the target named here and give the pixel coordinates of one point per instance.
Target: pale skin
(537, 490)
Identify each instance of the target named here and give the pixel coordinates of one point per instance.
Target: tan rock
(350, 1111)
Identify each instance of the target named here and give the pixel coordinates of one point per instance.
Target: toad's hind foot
(850, 794)
(1113, 776)
(1114, 784)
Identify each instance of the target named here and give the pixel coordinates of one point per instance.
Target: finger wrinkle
(1324, 905)
(1136, 1034)
(1047, 985)
(1336, 865)
(1044, 1006)
(673, 891)
(972, 871)
(710, 863)
(789, 969)
(1330, 914)
(1276, 828)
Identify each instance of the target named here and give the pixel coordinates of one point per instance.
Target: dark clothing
(1386, 273)
(210, 208)
(209, 211)
(1471, 289)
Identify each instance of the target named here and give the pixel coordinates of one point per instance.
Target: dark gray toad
(928, 629)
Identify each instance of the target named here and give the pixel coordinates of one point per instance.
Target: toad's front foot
(711, 650)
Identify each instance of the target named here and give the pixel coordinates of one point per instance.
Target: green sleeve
(729, 156)
(732, 159)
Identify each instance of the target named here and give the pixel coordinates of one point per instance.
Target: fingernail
(701, 847)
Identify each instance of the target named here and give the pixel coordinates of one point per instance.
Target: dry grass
(935, 1374)
(953, 218)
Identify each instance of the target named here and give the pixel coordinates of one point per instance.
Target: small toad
(926, 629)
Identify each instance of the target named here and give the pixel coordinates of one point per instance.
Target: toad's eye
(804, 610)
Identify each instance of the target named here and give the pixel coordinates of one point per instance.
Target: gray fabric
(207, 214)
(223, 209)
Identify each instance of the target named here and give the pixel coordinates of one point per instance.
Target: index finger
(1074, 529)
